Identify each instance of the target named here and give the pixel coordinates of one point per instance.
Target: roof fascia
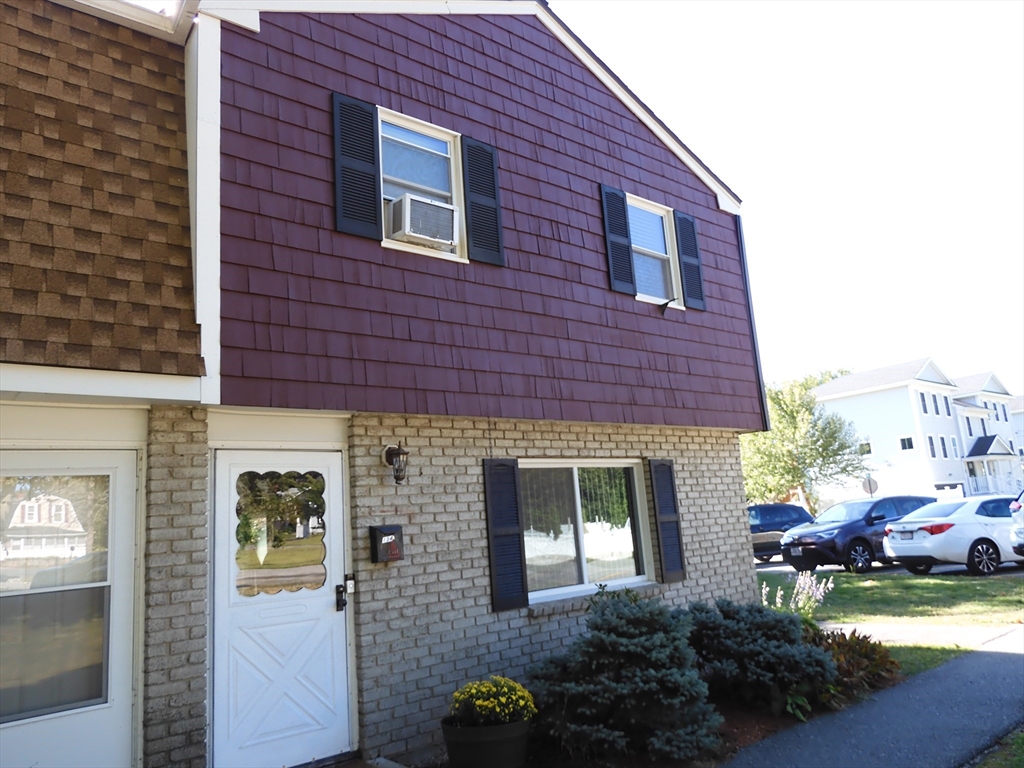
(174, 28)
(881, 388)
(41, 382)
(930, 364)
(245, 13)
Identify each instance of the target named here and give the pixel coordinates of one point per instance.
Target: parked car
(1017, 529)
(767, 524)
(974, 532)
(848, 534)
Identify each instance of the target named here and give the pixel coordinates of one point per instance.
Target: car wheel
(763, 558)
(919, 570)
(859, 556)
(982, 558)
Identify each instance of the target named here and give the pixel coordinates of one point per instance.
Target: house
(1017, 420)
(263, 259)
(923, 432)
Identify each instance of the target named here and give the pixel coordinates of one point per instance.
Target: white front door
(67, 552)
(280, 661)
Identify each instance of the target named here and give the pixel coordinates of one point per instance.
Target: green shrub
(862, 665)
(628, 686)
(758, 655)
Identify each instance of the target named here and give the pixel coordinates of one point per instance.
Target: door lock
(339, 597)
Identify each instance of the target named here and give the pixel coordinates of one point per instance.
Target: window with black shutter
(505, 534)
(396, 181)
(653, 251)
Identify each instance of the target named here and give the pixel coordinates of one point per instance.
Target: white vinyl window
(420, 160)
(906, 443)
(650, 235)
(585, 525)
(931, 446)
(956, 448)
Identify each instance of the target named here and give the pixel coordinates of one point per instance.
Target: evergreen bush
(758, 655)
(628, 686)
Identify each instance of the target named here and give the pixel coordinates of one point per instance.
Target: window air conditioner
(421, 221)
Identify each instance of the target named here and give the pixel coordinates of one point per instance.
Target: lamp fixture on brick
(396, 457)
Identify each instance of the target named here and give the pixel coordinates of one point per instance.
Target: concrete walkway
(941, 718)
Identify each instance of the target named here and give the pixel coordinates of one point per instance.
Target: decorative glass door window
(651, 263)
(54, 593)
(280, 532)
(580, 526)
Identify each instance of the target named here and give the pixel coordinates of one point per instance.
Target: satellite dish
(870, 485)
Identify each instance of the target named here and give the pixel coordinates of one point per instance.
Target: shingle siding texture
(317, 319)
(424, 625)
(95, 259)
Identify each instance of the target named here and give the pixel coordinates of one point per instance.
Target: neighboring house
(1017, 421)
(245, 252)
(923, 432)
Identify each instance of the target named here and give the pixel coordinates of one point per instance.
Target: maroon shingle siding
(317, 319)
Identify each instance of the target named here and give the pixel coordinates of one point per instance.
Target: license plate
(906, 534)
(796, 551)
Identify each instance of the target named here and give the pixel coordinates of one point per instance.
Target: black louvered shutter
(483, 202)
(616, 237)
(666, 518)
(357, 195)
(505, 534)
(689, 261)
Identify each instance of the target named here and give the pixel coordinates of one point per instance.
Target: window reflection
(53, 632)
(280, 532)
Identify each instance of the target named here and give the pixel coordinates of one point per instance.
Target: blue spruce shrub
(758, 655)
(628, 686)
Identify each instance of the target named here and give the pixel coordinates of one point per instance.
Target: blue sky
(879, 151)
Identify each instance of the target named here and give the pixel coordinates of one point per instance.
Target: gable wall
(317, 319)
(95, 260)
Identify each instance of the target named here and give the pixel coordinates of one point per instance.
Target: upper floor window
(864, 449)
(942, 444)
(650, 238)
(956, 448)
(970, 431)
(984, 429)
(653, 252)
(924, 403)
(415, 186)
(935, 404)
(906, 443)
(30, 512)
(1005, 418)
(946, 400)
(931, 446)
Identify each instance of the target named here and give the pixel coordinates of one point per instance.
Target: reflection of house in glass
(45, 526)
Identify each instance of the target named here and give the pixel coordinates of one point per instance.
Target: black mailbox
(386, 543)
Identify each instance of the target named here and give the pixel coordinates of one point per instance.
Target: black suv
(767, 524)
(848, 534)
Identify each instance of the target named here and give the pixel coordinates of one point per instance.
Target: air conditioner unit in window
(422, 221)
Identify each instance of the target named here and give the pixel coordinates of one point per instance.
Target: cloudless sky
(878, 148)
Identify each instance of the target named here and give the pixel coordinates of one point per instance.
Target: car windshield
(840, 513)
(935, 509)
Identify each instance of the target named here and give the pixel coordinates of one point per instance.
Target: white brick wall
(424, 625)
(177, 537)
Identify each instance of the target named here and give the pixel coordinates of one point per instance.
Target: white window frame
(30, 513)
(458, 197)
(642, 522)
(956, 450)
(909, 447)
(931, 446)
(943, 446)
(58, 505)
(924, 403)
(935, 403)
(668, 221)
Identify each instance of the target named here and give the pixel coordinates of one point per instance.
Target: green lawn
(898, 598)
(293, 553)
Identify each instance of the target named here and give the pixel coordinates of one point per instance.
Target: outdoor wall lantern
(396, 457)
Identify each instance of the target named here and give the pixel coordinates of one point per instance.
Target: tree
(805, 448)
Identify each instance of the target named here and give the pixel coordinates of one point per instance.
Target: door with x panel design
(281, 680)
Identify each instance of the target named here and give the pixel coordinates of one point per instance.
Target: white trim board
(46, 383)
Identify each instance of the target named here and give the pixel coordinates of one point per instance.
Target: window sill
(398, 245)
(674, 304)
(579, 603)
